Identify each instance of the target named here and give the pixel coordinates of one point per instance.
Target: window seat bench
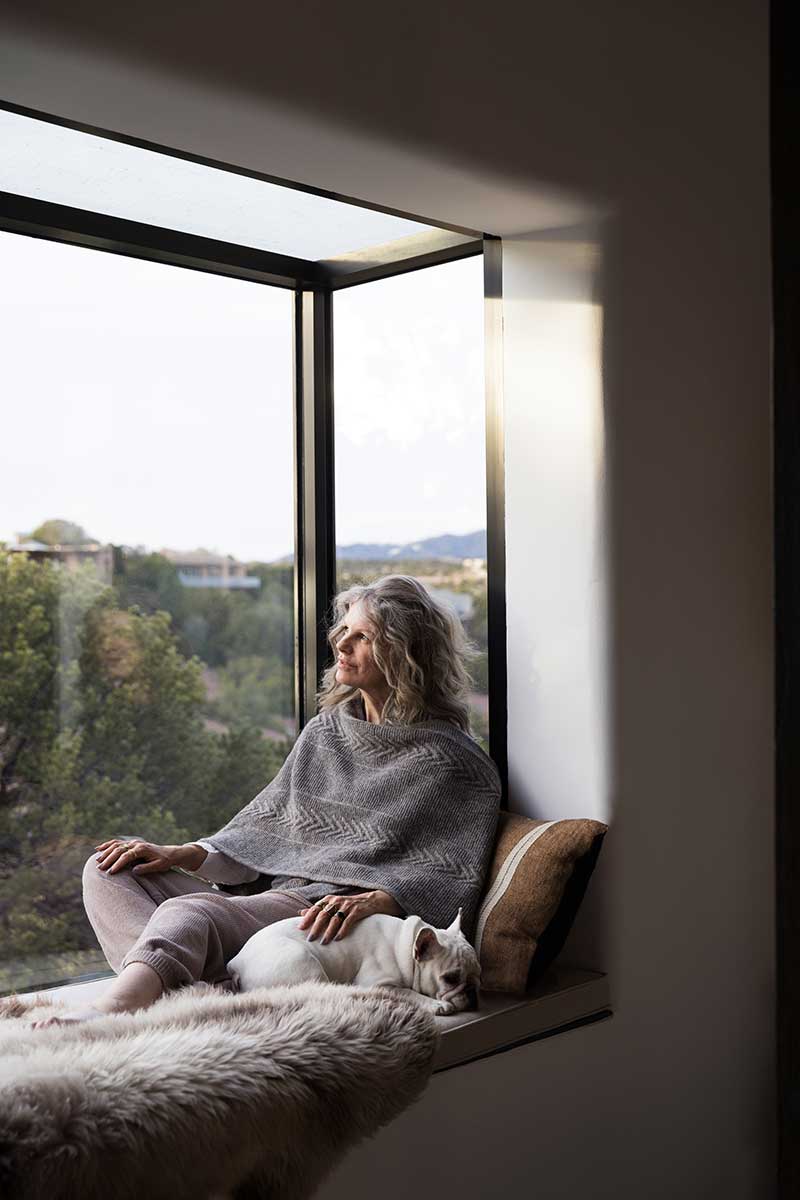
(563, 998)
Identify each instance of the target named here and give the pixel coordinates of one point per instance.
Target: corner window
(175, 478)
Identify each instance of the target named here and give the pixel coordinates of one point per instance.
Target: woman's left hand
(325, 924)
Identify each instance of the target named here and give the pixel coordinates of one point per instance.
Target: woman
(385, 804)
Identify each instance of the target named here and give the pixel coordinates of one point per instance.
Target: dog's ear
(426, 944)
(456, 926)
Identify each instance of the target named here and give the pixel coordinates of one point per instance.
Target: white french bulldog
(437, 967)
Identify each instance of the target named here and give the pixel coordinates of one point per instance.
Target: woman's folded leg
(119, 906)
(193, 937)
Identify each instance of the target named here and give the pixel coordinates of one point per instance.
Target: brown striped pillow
(532, 866)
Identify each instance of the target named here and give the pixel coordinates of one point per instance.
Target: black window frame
(313, 284)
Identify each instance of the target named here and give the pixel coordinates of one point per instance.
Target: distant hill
(448, 545)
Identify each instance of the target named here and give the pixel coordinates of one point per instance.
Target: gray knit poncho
(410, 809)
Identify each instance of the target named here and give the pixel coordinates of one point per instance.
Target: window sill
(564, 998)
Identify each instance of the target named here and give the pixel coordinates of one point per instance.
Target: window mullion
(315, 524)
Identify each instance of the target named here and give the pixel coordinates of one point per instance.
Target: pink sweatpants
(180, 926)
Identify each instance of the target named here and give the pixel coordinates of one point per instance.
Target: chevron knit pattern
(411, 809)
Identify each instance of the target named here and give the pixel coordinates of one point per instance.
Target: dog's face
(448, 966)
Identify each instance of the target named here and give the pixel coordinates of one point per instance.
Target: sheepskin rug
(205, 1094)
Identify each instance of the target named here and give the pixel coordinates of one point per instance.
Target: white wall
(556, 573)
(512, 119)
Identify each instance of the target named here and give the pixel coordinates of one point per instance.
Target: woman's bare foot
(137, 986)
(71, 1016)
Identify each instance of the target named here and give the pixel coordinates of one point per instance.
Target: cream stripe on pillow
(504, 878)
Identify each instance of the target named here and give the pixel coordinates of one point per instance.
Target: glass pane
(64, 166)
(146, 612)
(410, 441)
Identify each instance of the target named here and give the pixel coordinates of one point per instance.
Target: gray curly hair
(419, 646)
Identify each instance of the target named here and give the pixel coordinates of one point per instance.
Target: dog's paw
(445, 1010)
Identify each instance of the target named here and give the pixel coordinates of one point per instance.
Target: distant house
(204, 569)
(72, 555)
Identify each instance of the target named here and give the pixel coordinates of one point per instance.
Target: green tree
(61, 533)
(255, 689)
(262, 626)
(206, 626)
(477, 624)
(28, 668)
(151, 582)
(241, 763)
(101, 735)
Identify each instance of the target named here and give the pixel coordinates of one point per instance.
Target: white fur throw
(252, 1097)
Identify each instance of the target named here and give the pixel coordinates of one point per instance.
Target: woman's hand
(323, 923)
(115, 855)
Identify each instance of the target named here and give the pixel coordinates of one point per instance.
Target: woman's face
(355, 665)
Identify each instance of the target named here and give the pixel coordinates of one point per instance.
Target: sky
(153, 405)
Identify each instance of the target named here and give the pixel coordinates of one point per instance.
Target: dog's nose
(471, 994)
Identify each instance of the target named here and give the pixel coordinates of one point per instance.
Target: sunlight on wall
(557, 729)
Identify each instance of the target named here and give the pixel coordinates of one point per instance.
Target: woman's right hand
(115, 855)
